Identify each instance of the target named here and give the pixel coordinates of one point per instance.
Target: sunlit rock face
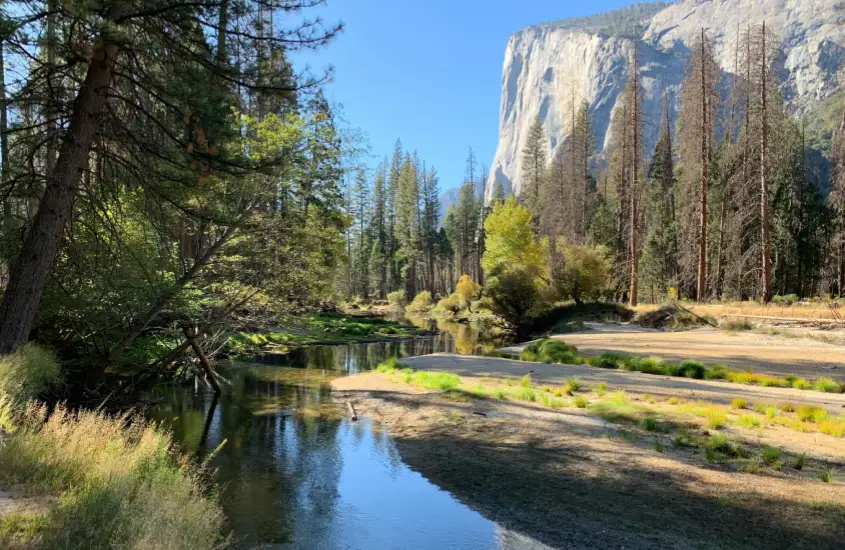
(548, 65)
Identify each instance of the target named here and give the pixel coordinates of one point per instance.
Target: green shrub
(421, 302)
(513, 294)
(691, 369)
(739, 403)
(607, 361)
(449, 304)
(397, 298)
(551, 351)
(827, 385)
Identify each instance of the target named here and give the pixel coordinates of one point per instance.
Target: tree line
(398, 244)
(727, 206)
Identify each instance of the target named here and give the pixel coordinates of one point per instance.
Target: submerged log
(352, 414)
(191, 335)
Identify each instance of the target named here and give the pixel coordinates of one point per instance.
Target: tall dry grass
(119, 481)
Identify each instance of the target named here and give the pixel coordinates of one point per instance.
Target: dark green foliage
(552, 351)
(513, 295)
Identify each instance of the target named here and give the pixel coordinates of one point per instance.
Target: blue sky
(429, 71)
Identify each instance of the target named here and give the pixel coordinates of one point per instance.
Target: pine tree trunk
(32, 268)
(702, 231)
(222, 24)
(764, 184)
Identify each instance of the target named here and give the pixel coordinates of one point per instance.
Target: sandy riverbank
(573, 479)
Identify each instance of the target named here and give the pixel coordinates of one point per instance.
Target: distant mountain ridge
(545, 63)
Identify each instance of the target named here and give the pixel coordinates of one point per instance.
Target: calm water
(297, 475)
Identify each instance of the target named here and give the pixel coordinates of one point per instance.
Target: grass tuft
(749, 421)
(739, 403)
(828, 475)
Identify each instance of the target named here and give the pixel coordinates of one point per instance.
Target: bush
(691, 369)
(786, 300)
(397, 298)
(449, 304)
(513, 295)
(551, 351)
(466, 291)
(585, 271)
(421, 302)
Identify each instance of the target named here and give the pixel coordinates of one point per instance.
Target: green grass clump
(526, 382)
(801, 384)
(828, 475)
(601, 389)
(772, 455)
(718, 448)
(649, 424)
(552, 351)
(739, 403)
(607, 361)
(809, 413)
(573, 383)
(787, 407)
(432, 380)
(581, 402)
(827, 385)
(500, 395)
(716, 419)
(527, 394)
(749, 421)
(799, 461)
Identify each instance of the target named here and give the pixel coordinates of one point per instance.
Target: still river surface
(295, 474)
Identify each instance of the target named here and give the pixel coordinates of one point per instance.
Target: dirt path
(658, 386)
(743, 350)
(574, 481)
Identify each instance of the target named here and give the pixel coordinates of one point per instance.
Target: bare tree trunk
(705, 168)
(764, 184)
(635, 160)
(32, 268)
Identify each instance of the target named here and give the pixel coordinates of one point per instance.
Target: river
(295, 474)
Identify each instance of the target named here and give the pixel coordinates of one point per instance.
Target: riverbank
(580, 462)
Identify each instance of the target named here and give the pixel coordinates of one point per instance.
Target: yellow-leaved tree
(515, 262)
(511, 244)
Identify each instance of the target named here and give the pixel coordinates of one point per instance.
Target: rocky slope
(548, 65)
